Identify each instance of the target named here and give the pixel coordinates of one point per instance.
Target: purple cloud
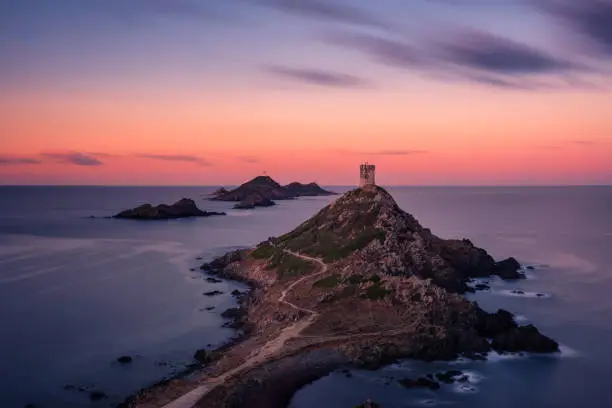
(325, 10)
(176, 157)
(11, 160)
(317, 77)
(467, 55)
(76, 158)
(591, 20)
(248, 159)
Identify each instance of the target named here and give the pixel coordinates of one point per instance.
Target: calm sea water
(76, 293)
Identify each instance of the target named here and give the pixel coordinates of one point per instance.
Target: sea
(78, 290)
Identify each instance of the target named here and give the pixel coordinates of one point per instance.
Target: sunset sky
(209, 92)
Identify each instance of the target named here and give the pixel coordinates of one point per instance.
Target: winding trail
(263, 353)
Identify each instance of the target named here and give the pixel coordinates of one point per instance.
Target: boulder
(508, 269)
(524, 338)
(422, 382)
(490, 325)
(124, 359)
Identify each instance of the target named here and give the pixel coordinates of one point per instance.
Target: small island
(263, 190)
(360, 284)
(183, 208)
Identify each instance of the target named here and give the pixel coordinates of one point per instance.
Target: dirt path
(263, 353)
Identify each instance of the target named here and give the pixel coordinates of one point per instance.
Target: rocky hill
(361, 283)
(365, 230)
(262, 190)
(181, 209)
(303, 190)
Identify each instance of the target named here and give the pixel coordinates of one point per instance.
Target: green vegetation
(376, 292)
(263, 251)
(328, 282)
(287, 265)
(330, 245)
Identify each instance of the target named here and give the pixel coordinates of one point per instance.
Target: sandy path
(263, 353)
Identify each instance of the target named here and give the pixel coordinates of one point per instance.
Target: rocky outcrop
(366, 230)
(181, 209)
(296, 189)
(263, 186)
(263, 190)
(381, 287)
(219, 192)
(254, 200)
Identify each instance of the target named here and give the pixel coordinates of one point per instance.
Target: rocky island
(262, 190)
(360, 284)
(183, 208)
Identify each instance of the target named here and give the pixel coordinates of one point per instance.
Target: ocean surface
(78, 292)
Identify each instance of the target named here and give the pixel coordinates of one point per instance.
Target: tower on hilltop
(366, 174)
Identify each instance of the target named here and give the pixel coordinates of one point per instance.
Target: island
(262, 190)
(183, 208)
(360, 284)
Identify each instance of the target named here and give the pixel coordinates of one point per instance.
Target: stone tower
(366, 174)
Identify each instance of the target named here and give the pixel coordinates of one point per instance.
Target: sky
(215, 92)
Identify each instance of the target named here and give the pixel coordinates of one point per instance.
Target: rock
(482, 286)
(263, 186)
(236, 293)
(518, 292)
(209, 308)
(475, 356)
(524, 338)
(220, 192)
(422, 382)
(192, 269)
(490, 325)
(254, 200)
(233, 313)
(296, 189)
(205, 356)
(69, 387)
(97, 395)
(124, 359)
(508, 269)
(213, 280)
(181, 209)
(449, 377)
(531, 268)
(540, 295)
(369, 404)
(213, 293)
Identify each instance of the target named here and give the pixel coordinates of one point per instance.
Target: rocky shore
(360, 284)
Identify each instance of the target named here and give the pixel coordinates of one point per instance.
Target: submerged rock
(421, 382)
(183, 208)
(213, 293)
(124, 359)
(369, 404)
(97, 395)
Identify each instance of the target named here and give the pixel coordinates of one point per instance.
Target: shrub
(328, 282)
